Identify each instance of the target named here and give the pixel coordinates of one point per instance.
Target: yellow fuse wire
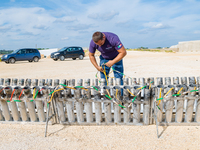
(180, 90)
(160, 96)
(168, 92)
(130, 92)
(53, 94)
(33, 93)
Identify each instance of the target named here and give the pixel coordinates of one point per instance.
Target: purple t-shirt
(109, 48)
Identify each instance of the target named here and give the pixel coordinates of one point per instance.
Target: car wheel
(55, 59)
(6, 62)
(11, 60)
(35, 59)
(62, 58)
(30, 60)
(81, 57)
(74, 58)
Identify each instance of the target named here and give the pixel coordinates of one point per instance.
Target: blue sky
(59, 23)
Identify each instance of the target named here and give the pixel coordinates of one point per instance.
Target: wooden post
(146, 106)
(136, 106)
(31, 110)
(42, 82)
(167, 80)
(169, 104)
(180, 104)
(1, 81)
(39, 104)
(159, 94)
(190, 104)
(175, 80)
(21, 105)
(126, 98)
(56, 82)
(5, 110)
(70, 107)
(152, 98)
(79, 105)
(21, 82)
(88, 105)
(13, 105)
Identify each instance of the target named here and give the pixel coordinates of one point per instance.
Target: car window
(76, 49)
(29, 51)
(63, 49)
(79, 48)
(70, 49)
(22, 51)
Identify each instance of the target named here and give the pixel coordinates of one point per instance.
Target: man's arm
(122, 53)
(94, 62)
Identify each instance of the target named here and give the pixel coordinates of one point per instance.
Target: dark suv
(68, 52)
(30, 54)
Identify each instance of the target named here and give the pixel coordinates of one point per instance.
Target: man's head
(98, 38)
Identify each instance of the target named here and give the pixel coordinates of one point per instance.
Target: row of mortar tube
(27, 96)
(187, 94)
(88, 95)
(23, 96)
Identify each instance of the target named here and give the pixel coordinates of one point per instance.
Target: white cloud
(42, 27)
(197, 32)
(66, 19)
(65, 38)
(160, 26)
(79, 27)
(104, 16)
(5, 28)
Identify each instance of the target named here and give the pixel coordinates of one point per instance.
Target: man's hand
(100, 68)
(109, 63)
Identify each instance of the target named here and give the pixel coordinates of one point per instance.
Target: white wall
(189, 46)
(48, 51)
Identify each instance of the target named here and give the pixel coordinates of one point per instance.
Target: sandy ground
(136, 64)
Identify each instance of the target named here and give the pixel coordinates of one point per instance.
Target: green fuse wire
(108, 97)
(122, 106)
(17, 101)
(63, 85)
(159, 99)
(143, 87)
(95, 88)
(51, 93)
(134, 99)
(176, 94)
(194, 90)
(36, 94)
(78, 86)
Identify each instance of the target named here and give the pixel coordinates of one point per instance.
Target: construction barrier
(97, 102)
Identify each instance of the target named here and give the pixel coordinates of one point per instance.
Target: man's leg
(119, 67)
(107, 69)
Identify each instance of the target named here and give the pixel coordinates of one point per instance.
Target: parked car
(68, 52)
(30, 54)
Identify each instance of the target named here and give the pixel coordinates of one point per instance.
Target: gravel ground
(137, 64)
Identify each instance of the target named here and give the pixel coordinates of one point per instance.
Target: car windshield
(15, 51)
(62, 49)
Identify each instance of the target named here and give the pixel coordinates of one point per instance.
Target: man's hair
(97, 36)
